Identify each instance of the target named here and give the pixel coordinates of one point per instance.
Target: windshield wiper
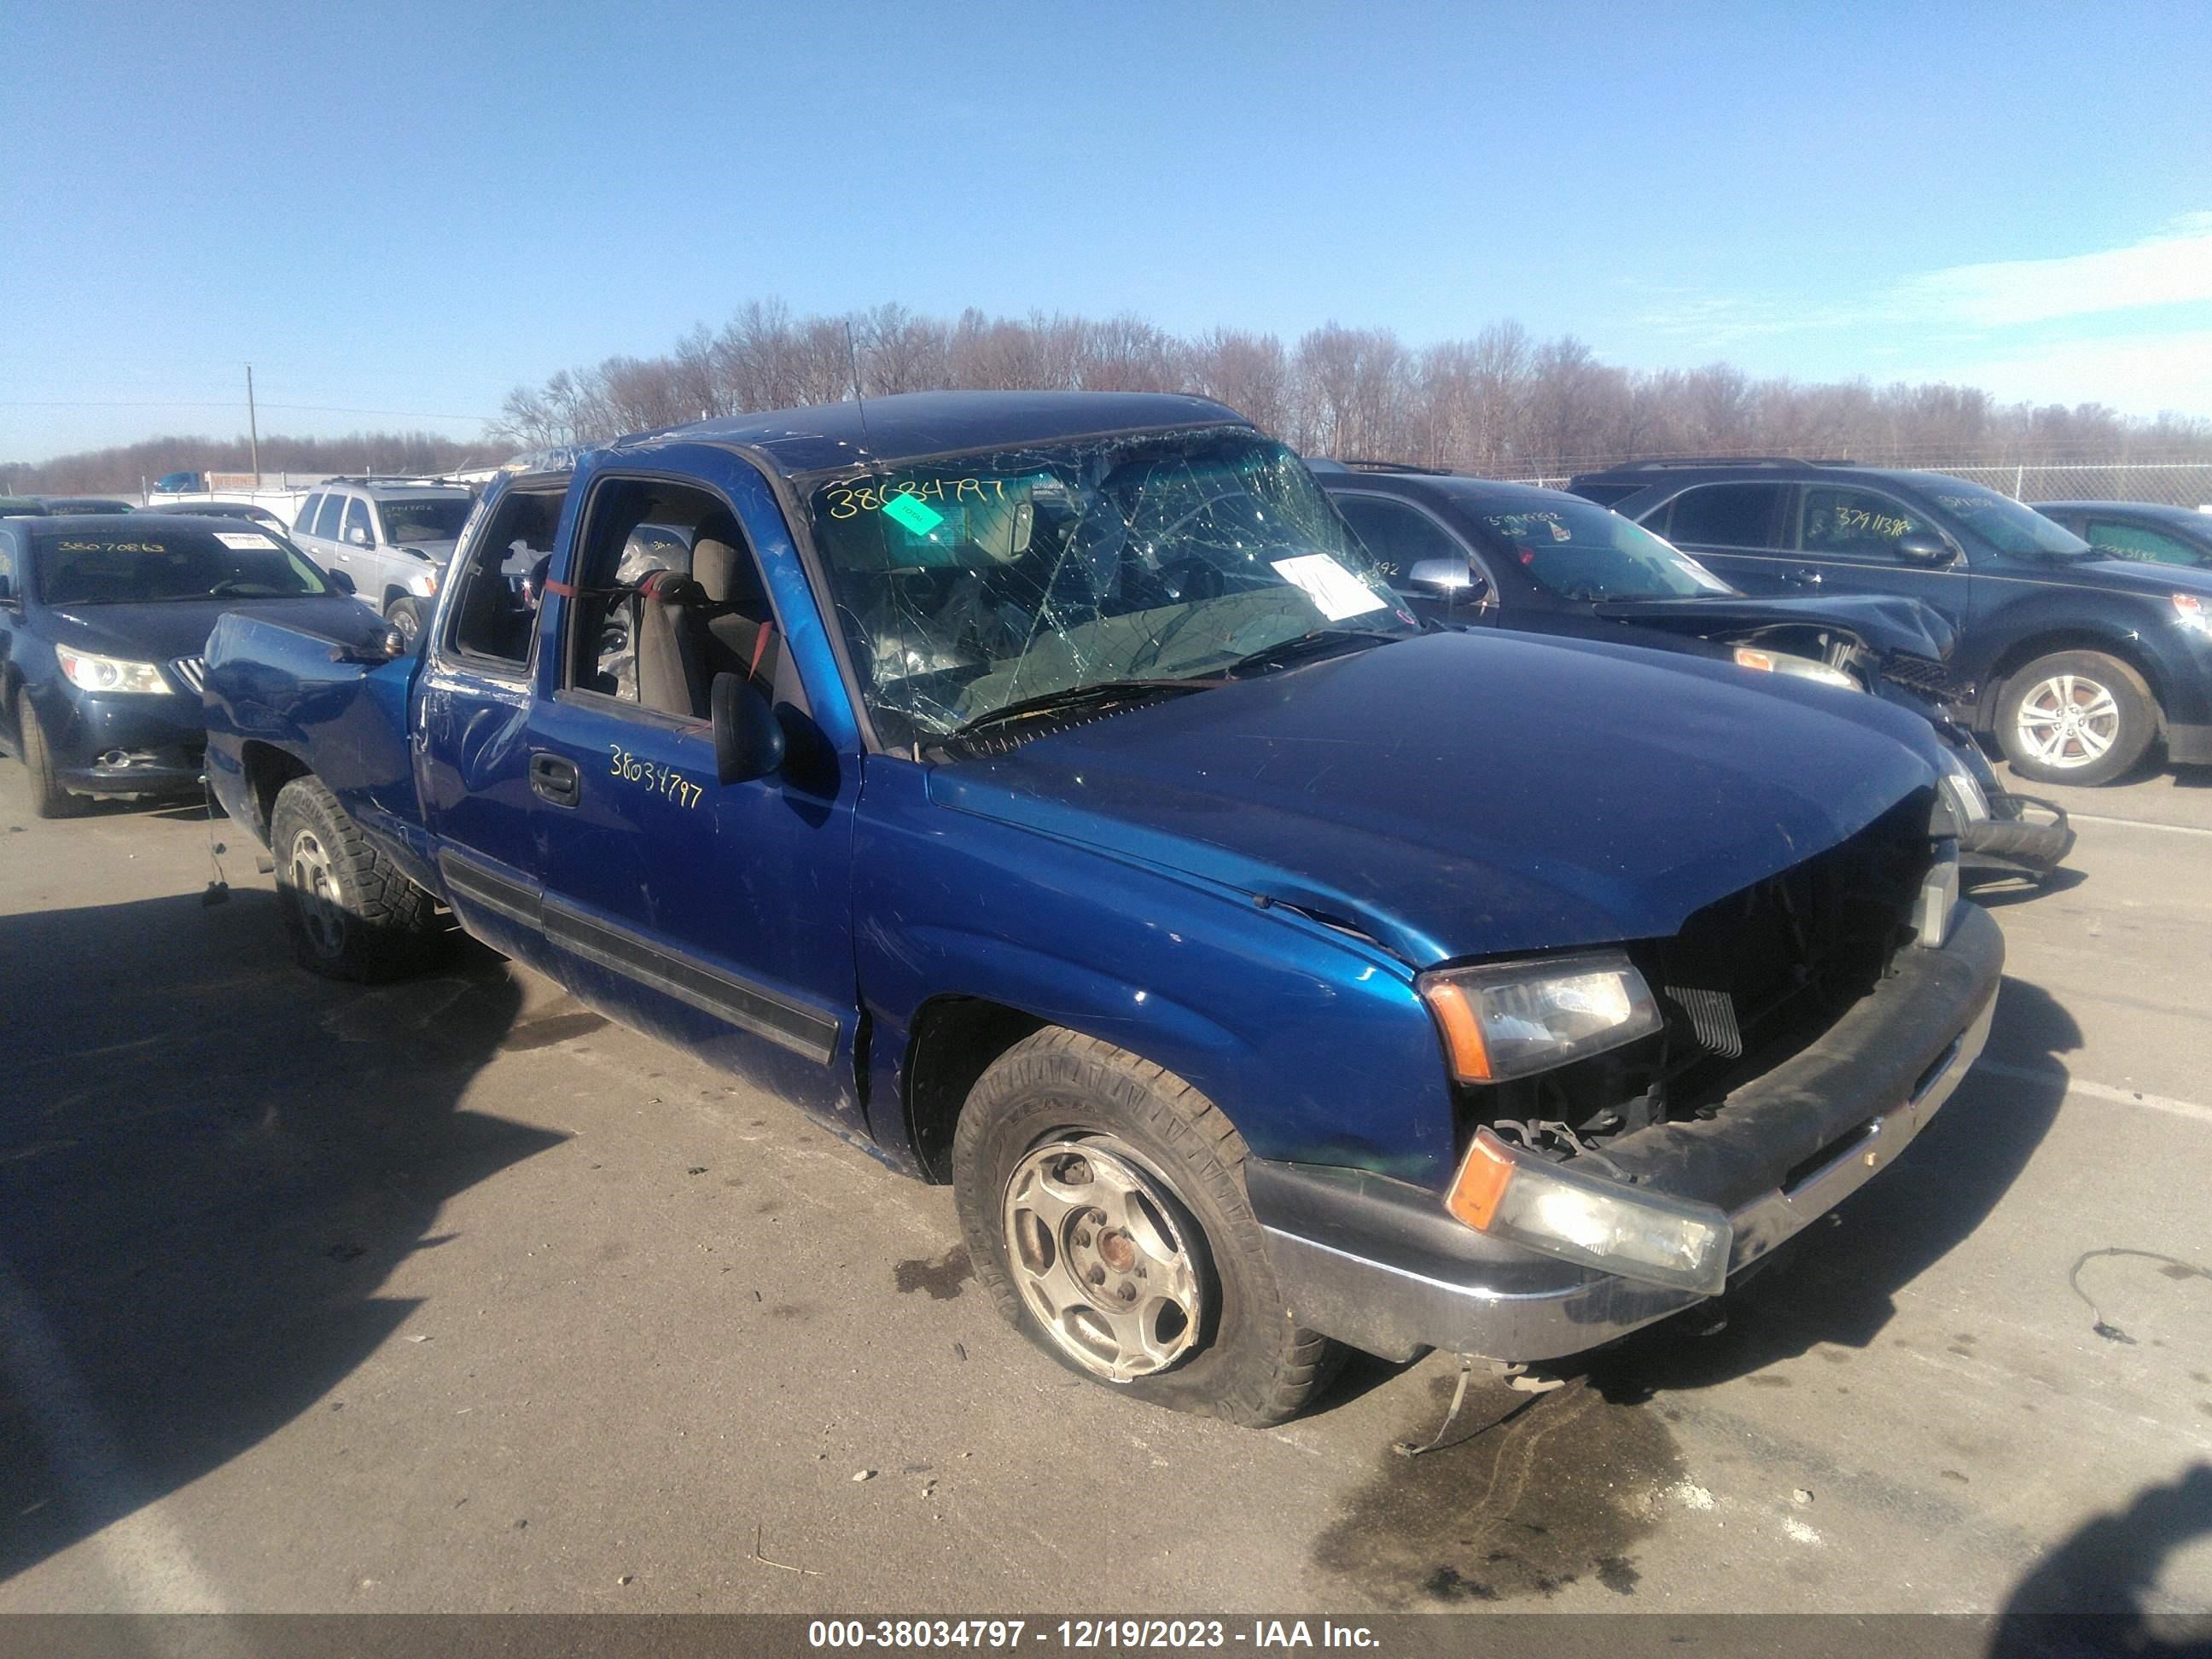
(1284, 653)
(1100, 696)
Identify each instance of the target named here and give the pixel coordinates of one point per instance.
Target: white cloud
(2136, 373)
(2172, 268)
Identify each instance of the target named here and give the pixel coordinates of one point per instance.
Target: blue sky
(407, 210)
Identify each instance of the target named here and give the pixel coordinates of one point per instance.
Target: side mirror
(357, 537)
(1924, 547)
(1455, 580)
(383, 646)
(748, 737)
(339, 579)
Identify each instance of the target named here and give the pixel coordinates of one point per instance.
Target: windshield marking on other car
(1582, 551)
(77, 570)
(2006, 523)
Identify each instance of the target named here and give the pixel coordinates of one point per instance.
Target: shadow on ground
(1835, 1283)
(208, 1162)
(2095, 1592)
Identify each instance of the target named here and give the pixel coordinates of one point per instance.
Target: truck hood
(1464, 795)
(1882, 623)
(179, 627)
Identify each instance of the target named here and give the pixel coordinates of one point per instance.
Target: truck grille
(192, 672)
(1756, 976)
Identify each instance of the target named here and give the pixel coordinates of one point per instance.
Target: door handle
(555, 779)
(1801, 578)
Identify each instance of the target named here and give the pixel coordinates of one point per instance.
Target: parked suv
(387, 540)
(2076, 662)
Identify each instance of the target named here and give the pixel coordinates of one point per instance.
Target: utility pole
(252, 427)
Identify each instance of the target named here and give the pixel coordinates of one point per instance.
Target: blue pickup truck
(1047, 792)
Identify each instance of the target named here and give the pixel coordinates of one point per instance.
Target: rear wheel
(1104, 1207)
(2075, 717)
(48, 799)
(348, 910)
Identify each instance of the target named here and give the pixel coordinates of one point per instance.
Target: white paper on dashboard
(242, 541)
(1330, 586)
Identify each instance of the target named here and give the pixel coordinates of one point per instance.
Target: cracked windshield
(975, 589)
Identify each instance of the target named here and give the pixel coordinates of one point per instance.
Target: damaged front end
(1708, 1095)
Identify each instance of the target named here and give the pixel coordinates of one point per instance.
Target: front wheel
(407, 615)
(2075, 717)
(1103, 1203)
(349, 911)
(48, 799)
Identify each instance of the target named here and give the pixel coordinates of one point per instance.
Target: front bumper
(115, 744)
(1378, 1263)
(2022, 836)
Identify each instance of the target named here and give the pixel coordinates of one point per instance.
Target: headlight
(1512, 1018)
(2191, 613)
(423, 586)
(92, 673)
(1965, 789)
(1563, 1212)
(1802, 668)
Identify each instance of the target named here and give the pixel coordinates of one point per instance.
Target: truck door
(718, 917)
(472, 703)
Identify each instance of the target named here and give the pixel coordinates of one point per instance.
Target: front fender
(1313, 1043)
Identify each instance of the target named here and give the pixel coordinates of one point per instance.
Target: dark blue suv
(2078, 661)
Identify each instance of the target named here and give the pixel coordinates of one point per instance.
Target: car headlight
(423, 586)
(92, 673)
(1968, 800)
(1511, 1019)
(2193, 614)
(1802, 668)
(1508, 1192)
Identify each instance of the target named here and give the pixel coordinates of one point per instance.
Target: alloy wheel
(1103, 1256)
(2068, 721)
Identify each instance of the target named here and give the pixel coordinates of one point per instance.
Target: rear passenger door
(1738, 530)
(472, 705)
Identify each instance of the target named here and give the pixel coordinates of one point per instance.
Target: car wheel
(48, 799)
(349, 911)
(407, 615)
(2075, 717)
(1103, 1204)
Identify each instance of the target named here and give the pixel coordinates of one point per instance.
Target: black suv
(2078, 661)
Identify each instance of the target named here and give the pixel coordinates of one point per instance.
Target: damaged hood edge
(1470, 839)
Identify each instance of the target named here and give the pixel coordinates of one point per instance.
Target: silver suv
(388, 539)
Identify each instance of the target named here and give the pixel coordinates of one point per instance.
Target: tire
(2075, 717)
(1063, 1129)
(407, 615)
(348, 910)
(48, 799)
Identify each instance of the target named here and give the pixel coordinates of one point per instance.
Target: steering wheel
(1192, 581)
